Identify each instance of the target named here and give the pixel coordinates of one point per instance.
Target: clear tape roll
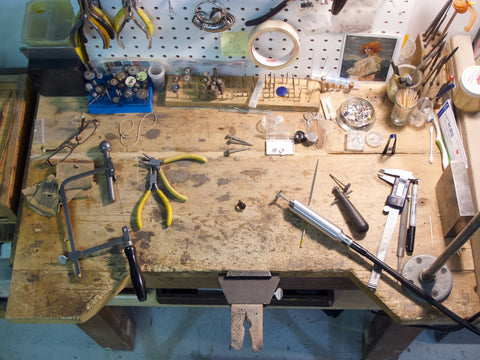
(271, 26)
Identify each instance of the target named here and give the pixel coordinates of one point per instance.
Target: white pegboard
(178, 41)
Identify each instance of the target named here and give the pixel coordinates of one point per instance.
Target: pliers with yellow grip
(155, 171)
(91, 12)
(129, 10)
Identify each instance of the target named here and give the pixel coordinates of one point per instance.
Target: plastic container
(103, 105)
(47, 23)
(406, 52)
(467, 96)
(156, 72)
(356, 114)
(394, 83)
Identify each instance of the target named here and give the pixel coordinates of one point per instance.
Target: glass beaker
(394, 83)
(406, 101)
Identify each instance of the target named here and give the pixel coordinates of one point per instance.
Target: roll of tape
(272, 26)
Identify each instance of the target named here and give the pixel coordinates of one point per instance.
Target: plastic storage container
(467, 96)
(47, 23)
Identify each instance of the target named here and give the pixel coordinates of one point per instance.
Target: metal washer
(441, 285)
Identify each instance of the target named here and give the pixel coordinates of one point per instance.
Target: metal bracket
(247, 292)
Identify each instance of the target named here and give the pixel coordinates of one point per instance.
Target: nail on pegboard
(177, 39)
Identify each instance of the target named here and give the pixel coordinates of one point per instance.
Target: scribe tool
(353, 217)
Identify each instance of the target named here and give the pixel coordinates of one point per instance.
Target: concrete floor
(200, 333)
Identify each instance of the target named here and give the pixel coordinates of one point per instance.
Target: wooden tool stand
(432, 87)
(300, 94)
(17, 104)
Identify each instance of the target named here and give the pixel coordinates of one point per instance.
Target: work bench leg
(113, 327)
(384, 339)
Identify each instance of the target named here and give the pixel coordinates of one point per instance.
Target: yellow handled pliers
(155, 171)
(129, 10)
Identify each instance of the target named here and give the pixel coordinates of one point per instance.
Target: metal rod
(334, 232)
(454, 246)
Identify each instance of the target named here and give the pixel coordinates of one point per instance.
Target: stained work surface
(208, 234)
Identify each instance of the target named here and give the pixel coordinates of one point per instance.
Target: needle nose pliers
(155, 170)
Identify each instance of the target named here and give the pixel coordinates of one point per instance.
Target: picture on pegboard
(367, 58)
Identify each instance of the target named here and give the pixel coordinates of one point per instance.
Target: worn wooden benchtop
(208, 236)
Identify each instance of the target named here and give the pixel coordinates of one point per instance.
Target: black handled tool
(353, 217)
(413, 219)
(337, 6)
(268, 15)
(136, 276)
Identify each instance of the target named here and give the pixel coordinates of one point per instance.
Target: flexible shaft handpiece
(316, 220)
(335, 232)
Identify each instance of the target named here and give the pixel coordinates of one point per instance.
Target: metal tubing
(335, 232)
(429, 273)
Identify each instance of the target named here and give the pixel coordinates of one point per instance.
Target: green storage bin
(47, 23)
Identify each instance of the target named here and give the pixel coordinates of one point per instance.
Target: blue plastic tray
(103, 105)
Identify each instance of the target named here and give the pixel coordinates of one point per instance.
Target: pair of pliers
(127, 13)
(91, 12)
(155, 171)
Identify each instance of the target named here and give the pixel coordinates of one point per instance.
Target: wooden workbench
(208, 235)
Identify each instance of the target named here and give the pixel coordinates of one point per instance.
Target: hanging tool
(348, 210)
(90, 12)
(155, 171)
(127, 13)
(337, 6)
(395, 204)
(335, 233)
(304, 228)
(275, 10)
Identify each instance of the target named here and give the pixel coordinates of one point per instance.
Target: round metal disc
(441, 285)
(142, 93)
(89, 75)
(132, 70)
(130, 81)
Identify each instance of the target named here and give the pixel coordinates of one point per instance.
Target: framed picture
(367, 57)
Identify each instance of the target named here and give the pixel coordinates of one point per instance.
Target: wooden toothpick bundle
(407, 98)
